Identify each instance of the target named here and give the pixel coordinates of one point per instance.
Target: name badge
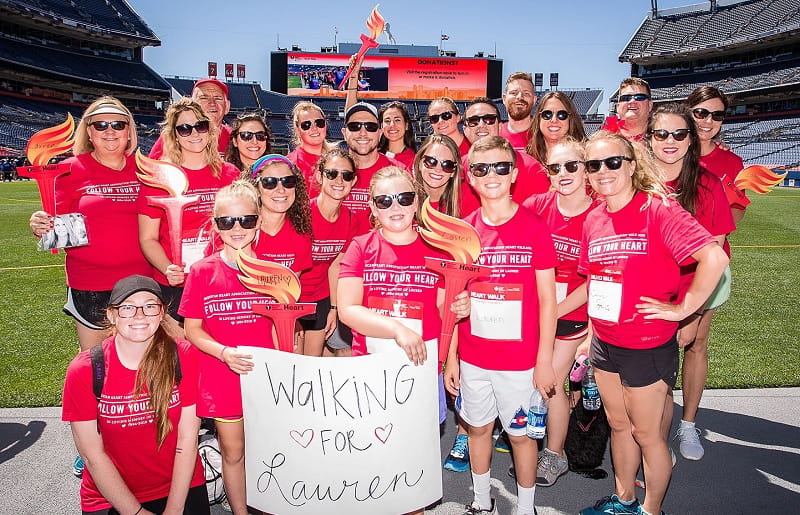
(605, 294)
(192, 252)
(407, 312)
(496, 311)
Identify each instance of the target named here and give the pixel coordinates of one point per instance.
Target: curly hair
(299, 213)
(172, 148)
(232, 152)
(537, 147)
(450, 202)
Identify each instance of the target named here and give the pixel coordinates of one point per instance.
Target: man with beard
(519, 100)
(362, 133)
(634, 104)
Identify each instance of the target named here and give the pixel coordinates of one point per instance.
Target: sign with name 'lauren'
(341, 435)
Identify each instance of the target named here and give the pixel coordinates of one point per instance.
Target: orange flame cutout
(268, 278)
(48, 143)
(375, 23)
(454, 236)
(161, 174)
(757, 178)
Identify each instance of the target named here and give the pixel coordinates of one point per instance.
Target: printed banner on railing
(341, 435)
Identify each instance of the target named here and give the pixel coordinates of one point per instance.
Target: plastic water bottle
(579, 369)
(537, 416)
(591, 396)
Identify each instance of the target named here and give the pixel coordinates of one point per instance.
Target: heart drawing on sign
(304, 438)
(382, 433)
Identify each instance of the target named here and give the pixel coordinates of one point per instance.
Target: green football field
(755, 337)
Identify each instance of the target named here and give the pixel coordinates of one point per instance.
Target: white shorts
(488, 394)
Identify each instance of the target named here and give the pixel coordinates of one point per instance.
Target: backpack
(587, 436)
(99, 370)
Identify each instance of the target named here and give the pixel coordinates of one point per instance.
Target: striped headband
(269, 158)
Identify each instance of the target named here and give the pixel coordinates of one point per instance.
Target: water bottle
(591, 396)
(579, 369)
(537, 416)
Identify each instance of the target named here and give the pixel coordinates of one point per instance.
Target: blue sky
(579, 39)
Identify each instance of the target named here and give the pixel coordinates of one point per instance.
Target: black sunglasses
(561, 115)
(270, 183)
(184, 130)
(319, 122)
(369, 126)
(569, 166)
(117, 125)
(434, 118)
(431, 162)
(488, 119)
(405, 199)
(483, 169)
(226, 223)
(612, 163)
(702, 114)
(247, 136)
(332, 174)
(663, 134)
(639, 97)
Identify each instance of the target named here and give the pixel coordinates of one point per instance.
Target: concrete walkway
(751, 465)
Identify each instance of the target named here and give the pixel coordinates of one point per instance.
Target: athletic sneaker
(550, 467)
(474, 509)
(502, 444)
(690, 447)
(77, 466)
(611, 506)
(642, 512)
(458, 459)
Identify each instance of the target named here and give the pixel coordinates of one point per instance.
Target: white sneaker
(690, 445)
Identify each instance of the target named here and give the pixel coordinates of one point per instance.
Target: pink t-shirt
(328, 241)
(631, 253)
(107, 200)
(358, 199)
(157, 152)
(463, 148)
(287, 248)
(406, 158)
(127, 423)
(566, 232)
(306, 162)
(196, 233)
(726, 165)
(502, 332)
(396, 281)
(518, 140)
(214, 295)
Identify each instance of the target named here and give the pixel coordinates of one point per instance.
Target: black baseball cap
(134, 284)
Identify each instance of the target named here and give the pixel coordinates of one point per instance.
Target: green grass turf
(755, 336)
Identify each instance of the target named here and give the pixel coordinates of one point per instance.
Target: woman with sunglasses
(102, 186)
(332, 229)
(564, 209)
(676, 145)
(555, 120)
(708, 105)
(634, 350)
(251, 138)
(444, 118)
(135, 424)
(437, 174)
(190, 142)
(309, 130)
(217, 327)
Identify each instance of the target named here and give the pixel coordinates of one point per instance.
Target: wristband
(333, 307)
(141, 507)
(221, 358)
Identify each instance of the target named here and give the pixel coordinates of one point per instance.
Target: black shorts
(571, 329)
(196, 502)
(317, 320)
(172, 299)
(637, 367)
(88, 307)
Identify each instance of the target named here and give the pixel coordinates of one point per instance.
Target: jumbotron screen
(412, 78)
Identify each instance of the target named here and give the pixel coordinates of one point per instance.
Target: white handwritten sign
(341, 435)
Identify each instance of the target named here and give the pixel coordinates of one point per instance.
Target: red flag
(228, 70)
(212, 69)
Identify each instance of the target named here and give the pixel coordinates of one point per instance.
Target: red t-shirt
(287, 248)
(306, 162)
(502, 332)
(406, 158)
(157, 152)
(566, 233)
(518, 140)
(107, 200)
(214, 295)
(127, 424)
(328, 240)
(396, 282)
(631, 253)
(463, 148)
(726, 165)
(196, 233)
(358, 199)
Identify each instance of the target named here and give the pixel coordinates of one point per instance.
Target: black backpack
(587, 437)
(99, 370)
